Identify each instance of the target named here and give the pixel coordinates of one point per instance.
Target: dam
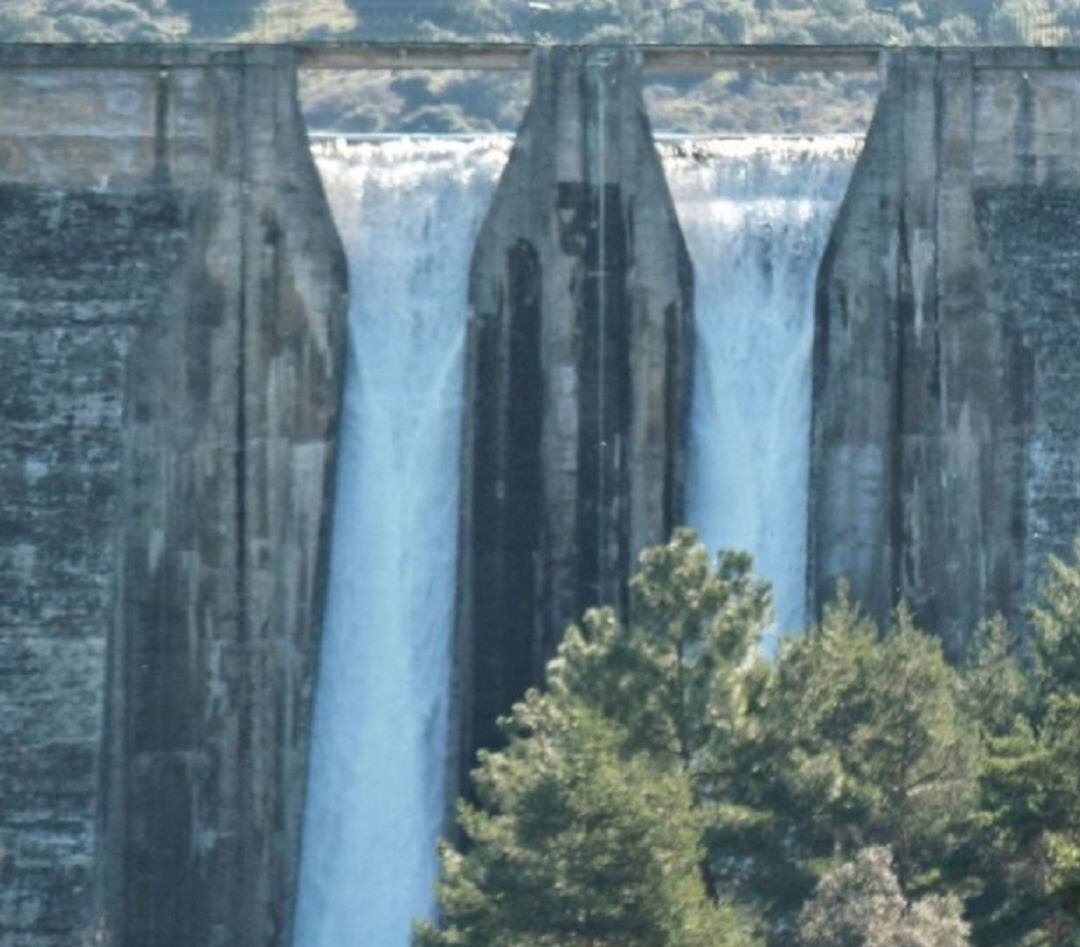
(216, 479)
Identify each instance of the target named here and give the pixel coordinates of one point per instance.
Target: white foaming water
(756, 214)
(408, 212)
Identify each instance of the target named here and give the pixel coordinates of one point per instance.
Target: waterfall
(756, 214)
(408, 212)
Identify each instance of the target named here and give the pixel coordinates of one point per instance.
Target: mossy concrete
(946, 430)
(578, 377)
(172, 298)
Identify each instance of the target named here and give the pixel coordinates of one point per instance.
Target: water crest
(408, 212)
(756, 214)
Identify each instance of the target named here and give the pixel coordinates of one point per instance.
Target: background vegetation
(563, 21)
(672, 788)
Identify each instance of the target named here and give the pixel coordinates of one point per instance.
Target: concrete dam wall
(172, 304)
(578, 378)
(946, 437)
(171, 300)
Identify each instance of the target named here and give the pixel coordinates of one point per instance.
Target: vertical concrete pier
(173, 302)
(578, 373)
(945, 445)
(235, 400)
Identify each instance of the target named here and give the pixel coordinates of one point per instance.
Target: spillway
(408, 212)
(756, 213)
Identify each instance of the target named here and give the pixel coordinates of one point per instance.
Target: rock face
(171, 307)
(946, 444)
(578, 369)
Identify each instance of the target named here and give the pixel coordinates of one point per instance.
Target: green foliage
(673, 675)
(1056, 621)
(282, 20)
(724, 21)
(1025, 843)
(870, 734)
(861, 904)
(858, 791)
(1061, 739)
(589, 827)
(89, 21)
(996, 687)
(577, 844)
(719, 104)
(850, 739)
(1057, 722)
(855, 740)
(1006, 894)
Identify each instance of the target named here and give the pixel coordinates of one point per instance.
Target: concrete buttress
(172, 297)
(577, 376)
(946, 447)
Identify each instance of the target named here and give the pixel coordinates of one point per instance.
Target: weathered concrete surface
(171, 309)
(703, 59)
(578, 371)
(946, 445)
(70, 306)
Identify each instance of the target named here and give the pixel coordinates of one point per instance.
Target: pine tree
(1025, 842)
(677, 674)
(1057, 624)
(577, 844)
(861, 904)
(590, 823)
(1056, 621)
(855, 740)
(1061, 738)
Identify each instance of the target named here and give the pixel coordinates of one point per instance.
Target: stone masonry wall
(172, 298)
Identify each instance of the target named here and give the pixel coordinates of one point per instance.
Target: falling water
(756, 214)
(408, 212)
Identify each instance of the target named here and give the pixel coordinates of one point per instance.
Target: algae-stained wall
(577, 376)
(171, 311)
(946, 442)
